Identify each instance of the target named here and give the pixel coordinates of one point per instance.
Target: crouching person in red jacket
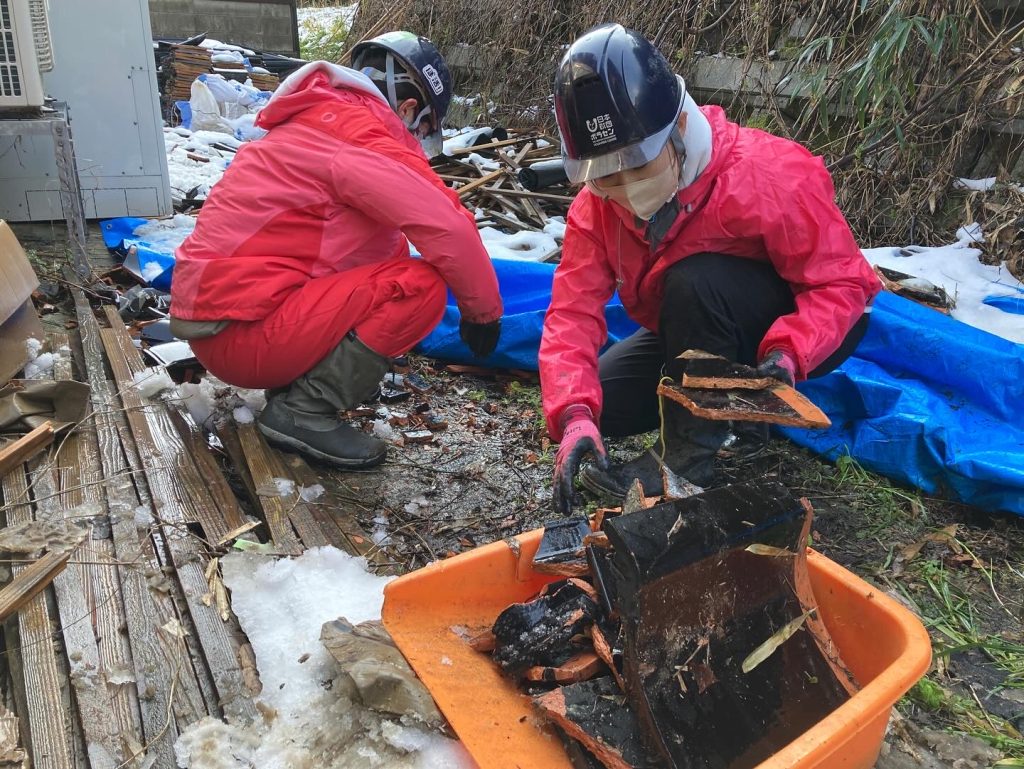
(298, 277)
(717, 237)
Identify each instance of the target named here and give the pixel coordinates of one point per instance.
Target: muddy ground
(487, 477)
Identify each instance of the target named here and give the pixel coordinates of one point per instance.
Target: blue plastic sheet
(929, 401)
(154, 264)
(925, 399)
(526, 291)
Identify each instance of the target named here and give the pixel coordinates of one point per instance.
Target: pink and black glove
(580, 436)
(778, 364)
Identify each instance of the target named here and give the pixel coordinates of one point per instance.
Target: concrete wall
(264, 25)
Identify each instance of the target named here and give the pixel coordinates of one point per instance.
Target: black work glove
(480, 338)
(778, 364)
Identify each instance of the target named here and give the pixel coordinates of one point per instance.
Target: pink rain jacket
(337, 183)
(760, 197)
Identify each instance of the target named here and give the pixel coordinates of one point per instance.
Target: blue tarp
(929, 401)
(154, 264)
(526, 291)
(925, 399)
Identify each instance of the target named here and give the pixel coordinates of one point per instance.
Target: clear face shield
(624, 159)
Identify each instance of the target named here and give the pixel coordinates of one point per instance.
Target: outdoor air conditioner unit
(25, 52)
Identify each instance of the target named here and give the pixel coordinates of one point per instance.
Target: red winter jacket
(760, 197)
(338, 182)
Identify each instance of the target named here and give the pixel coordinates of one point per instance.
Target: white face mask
(644, 197)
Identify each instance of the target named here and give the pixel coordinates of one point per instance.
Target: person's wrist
(574, 414)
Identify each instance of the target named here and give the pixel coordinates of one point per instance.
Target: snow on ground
(462, 138)
(213, 397)
(186, 172)
(281, 605)
(151, 381)
(983, 185)
(325, 18)
(166, 234)
(969, 282)
(531, 246)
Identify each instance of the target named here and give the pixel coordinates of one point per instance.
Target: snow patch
(151, 271)
(143, 517)
(526, 245)
(167, 234)
(212, 396)
(464, 137)
(281, 605)
(379, 535)
(243, 415)
(311, 493)
(383, 430)
(277, 487)
(956, 269)
(40, 363)
(151, 381)
(983, 185)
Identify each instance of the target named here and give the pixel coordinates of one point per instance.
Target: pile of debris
(517, 186)
(684, 633)
(180, 63)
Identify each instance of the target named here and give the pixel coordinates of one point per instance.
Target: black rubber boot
(320, 436)
(690, 445)
(304, 417)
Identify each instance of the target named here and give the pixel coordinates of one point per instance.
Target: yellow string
(661, 418)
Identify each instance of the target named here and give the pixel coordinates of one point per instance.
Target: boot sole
(286, 441)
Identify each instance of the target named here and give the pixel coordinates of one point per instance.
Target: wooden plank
(334, 514)
(229, 439)
(198, 505)
(299, 512)
(477, 183)
(170, 492)
(195, 692)
(529, 195)
(96, 724)
(156, 657)
(491, 146)
(259, 463)
(208, 470)
(26, 447)
(49, 723)
(31, 581)
(81, 486)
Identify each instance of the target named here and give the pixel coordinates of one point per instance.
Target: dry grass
(900, 98)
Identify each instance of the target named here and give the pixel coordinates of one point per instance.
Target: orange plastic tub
(430, 612)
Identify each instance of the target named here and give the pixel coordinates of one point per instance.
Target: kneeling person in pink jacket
(717, 237)
(298, 276)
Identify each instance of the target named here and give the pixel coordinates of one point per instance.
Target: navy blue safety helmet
(616, 102)
(424, 67)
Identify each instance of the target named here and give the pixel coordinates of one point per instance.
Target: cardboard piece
(18, 319)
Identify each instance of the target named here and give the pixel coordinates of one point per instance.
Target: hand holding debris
(580, 436)
(480, 338)
(778, 364)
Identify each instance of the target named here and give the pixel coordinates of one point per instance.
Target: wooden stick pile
(486, 178)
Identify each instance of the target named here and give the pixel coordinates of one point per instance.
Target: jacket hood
(310, 85)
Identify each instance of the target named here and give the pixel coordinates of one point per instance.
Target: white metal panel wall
(104, 69)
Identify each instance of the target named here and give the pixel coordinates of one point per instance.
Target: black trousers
(714, 302)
